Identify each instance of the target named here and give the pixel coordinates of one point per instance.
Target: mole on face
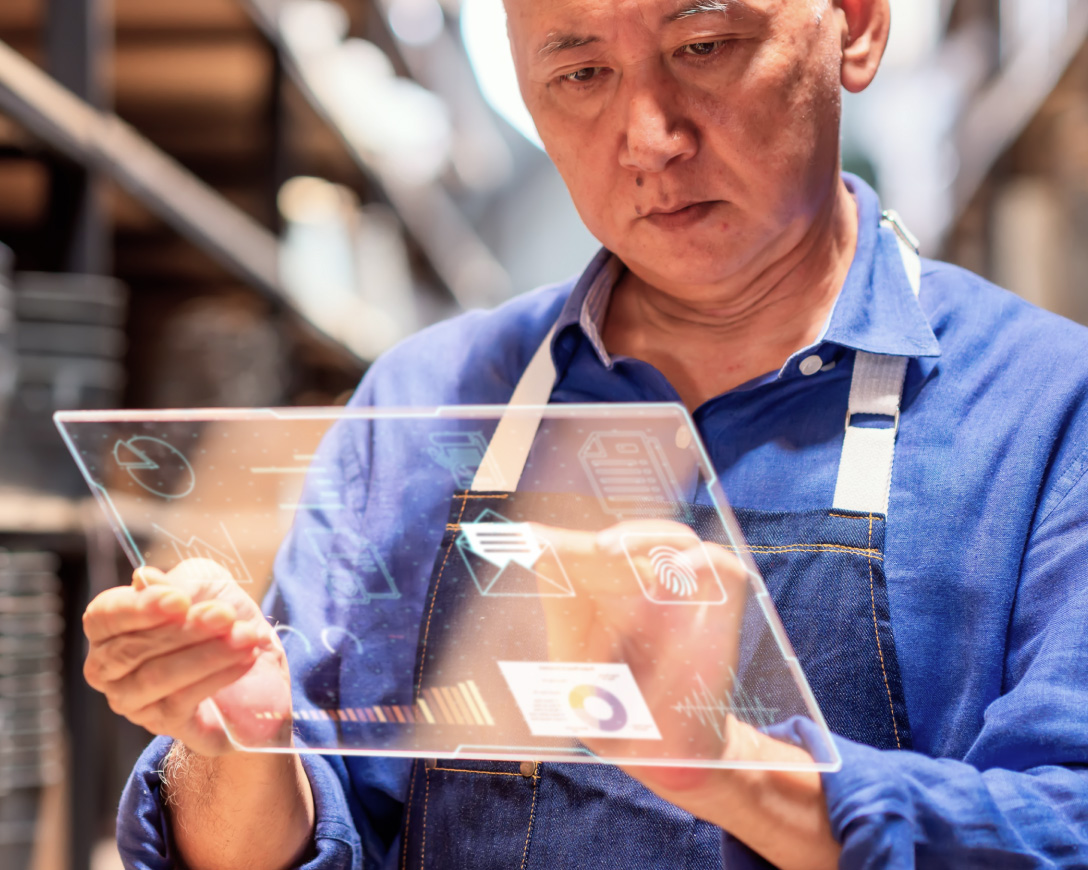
(638, 181)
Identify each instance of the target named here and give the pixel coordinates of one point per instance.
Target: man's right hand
(167, 652)
(167, 647)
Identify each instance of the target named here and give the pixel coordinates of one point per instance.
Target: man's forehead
(561, 24)
(650, 10)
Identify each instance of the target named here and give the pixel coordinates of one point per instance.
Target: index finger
(124, 609)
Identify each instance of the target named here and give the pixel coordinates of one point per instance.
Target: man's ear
(865, 25)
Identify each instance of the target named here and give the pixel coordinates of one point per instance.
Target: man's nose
(657, 134)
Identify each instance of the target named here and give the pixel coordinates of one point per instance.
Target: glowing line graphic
(325, 638)
(279, 629)
(290, 470)
(197, 548)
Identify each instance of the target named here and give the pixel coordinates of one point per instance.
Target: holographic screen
(568, 586)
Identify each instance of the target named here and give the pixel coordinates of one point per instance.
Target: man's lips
(673, 208)
(681, 215)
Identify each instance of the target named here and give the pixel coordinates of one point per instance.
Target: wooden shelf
(23, 512)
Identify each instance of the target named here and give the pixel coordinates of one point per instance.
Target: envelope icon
(507, 560)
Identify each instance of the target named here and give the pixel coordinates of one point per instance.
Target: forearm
(781, 816)
(243, 809)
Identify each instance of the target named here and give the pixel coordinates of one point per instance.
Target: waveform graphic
(712, 710)
(674, 571)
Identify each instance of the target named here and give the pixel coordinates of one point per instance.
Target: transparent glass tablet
(573, 588)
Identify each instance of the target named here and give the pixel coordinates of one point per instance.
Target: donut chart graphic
(579, 695)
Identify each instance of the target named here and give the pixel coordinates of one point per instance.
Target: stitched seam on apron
(869, 517)
(814, 548)
(529, 832)
(879, 649)
(408, 818)
(434, 598)
(426, 798)
(485, 772)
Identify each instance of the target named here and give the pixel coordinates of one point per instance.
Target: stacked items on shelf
(70, 343)
(7, 323)
(30, 697)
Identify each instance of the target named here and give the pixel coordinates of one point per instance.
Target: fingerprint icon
(673, 571)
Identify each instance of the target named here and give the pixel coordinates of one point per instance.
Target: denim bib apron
(825, 572)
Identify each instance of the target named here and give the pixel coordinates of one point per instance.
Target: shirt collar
(587, 304)
(876, 311)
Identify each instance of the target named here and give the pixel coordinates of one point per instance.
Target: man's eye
(702, 49)
(583, 76)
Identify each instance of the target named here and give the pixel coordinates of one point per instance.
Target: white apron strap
(865, 468)
(508, 451)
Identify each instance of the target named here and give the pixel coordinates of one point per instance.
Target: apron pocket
(471, 815)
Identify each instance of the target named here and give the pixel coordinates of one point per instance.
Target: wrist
(239, 809)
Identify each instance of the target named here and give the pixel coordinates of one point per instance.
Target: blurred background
(244, 202)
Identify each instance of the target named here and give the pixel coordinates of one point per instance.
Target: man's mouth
(679, 215)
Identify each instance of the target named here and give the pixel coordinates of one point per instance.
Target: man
(745, 278)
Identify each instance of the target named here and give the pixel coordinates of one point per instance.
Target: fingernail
(242, 634)
(216, 618)
(174, 602)
(608, 541)
(145, 576)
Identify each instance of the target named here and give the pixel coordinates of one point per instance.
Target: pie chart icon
(598, 707)
(156, 466)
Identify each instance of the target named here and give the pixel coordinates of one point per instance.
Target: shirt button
(811, 364)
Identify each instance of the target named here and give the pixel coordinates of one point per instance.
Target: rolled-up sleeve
(1019, 796)
(144, 838)
(143, 833)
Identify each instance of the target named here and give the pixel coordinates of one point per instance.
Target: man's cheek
(595, 185)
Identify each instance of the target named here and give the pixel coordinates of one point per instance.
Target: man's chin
(686, 268)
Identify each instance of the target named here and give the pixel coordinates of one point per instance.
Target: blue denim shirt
(986, 553)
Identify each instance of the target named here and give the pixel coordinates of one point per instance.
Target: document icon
(629, 473)
(505, 559)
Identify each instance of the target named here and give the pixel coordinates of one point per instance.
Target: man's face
(698, 139)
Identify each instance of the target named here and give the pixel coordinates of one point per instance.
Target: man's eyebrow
(558, 42)
(732, 8)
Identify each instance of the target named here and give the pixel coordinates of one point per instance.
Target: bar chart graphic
(445, 705)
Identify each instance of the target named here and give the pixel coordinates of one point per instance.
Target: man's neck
(731, 334)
